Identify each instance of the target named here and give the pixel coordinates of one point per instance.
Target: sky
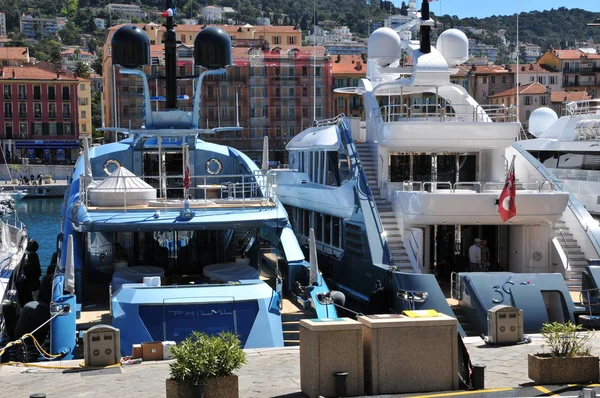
(486, 8)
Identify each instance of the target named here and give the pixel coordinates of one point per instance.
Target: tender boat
(397, 200)
(166, 234)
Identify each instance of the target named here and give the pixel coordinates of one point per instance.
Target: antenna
(518, 50)
(314, 63)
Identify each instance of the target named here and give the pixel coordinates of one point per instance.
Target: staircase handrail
(350, 146)
(566, 247)
(587, 222)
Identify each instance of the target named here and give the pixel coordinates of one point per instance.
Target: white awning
(315, 138)
(121, 187)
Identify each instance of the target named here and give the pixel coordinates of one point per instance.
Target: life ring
(210, 166)
(109, 163)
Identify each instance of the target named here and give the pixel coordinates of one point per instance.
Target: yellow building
(84, 93)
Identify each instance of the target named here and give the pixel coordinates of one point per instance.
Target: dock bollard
(340, 383)
(478, 377)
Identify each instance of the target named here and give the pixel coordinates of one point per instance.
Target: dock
(56, 189)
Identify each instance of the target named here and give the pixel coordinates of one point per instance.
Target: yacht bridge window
(425, 167)
(328, 229)
(323, 167)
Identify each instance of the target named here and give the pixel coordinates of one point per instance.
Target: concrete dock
(54, 190)
(274, 373)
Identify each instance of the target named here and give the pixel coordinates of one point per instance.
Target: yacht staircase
(290, 323)
(384, 207)
(575, 256)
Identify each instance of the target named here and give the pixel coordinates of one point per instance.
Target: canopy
(121, 187)
(315, 138)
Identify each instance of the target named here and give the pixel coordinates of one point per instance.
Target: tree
(97, 65)
(82, 70)
(70, 34)
(97, 114)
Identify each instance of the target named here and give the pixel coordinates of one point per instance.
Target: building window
(83, 101)
(66, 93)
(22, 91)
(52, 128)
(23, 130)
(51, 93)
(340, 103)
(276, 40)
(304, 112)
(37, 92)
(8, 130)
(318, 92)
(84, 128)
(544, 101)
(291, 130)
(277, 71)
(37, 128)
(82, 87)
(51, 110)
(305, 91)
(22, 110)
(291, 71)
(291, 40)
(182, 71)
(527, 100)
(503, 79)
(7, 91)
(66, 110)
(553, 79)
(493, 79)
(67, 128)
(292, 92)
(83, 114)
(318, 71)
(304, 71)
(7, 110)
(527, 114)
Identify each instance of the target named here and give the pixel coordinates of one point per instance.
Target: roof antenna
(425, 29)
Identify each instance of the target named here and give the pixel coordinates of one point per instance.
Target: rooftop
(349, 64)
(12, 53)
(568, 96)
(573, 54)
(531, 89)
(33, 73)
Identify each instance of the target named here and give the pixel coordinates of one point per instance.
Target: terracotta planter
(547, 370)
(221, 387)
(47, 180)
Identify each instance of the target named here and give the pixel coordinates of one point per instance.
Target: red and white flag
(506, 204)
(169, 13)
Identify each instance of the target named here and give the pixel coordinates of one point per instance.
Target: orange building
(347, 72)
(269, 91)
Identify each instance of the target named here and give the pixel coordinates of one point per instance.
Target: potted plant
(568, 359)
(14, 170)
(48, 179)
(204, 366)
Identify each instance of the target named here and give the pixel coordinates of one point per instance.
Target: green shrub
(201, 357)
(565, 340)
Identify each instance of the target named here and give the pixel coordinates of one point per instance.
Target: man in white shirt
(475, 256)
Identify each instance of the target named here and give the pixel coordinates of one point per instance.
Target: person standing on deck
(485, 256)
(475, 256)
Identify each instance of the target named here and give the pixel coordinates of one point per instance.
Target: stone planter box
(221, 387)
(47, 180)
(547, 370)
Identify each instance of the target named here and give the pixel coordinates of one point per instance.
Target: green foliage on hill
(556, 28)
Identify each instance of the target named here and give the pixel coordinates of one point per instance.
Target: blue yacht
(169, 234)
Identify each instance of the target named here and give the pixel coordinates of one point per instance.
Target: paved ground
(270, 373)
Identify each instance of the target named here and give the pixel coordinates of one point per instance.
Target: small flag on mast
(170, 12)
(506, 203)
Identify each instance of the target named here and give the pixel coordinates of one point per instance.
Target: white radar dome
(384, 46)
(454, 46)
(540, 120)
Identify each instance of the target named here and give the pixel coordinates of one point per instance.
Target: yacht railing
(477, 186)
(450, 113)
(587, 222)
(586, 107)
(579, 175)
(204, 192)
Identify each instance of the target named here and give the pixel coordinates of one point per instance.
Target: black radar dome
(212, 48)
(130, 47)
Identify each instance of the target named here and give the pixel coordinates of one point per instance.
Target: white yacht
(569, 147)
(401, 196)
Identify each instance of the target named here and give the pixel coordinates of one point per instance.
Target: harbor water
(42, 217)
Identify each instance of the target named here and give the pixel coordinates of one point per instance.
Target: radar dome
(454, 46)
(540, 120)
(130, 47)
(384, 47)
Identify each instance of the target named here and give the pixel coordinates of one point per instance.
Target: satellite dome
(454, 46)
(130, 47)
(384, 47)
(540, 120)
(212, 48)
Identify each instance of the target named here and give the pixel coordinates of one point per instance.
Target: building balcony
(580, 70)
(8, 115)
(67, 115)
(22, 115)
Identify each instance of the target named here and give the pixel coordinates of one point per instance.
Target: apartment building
(488, 80)
(2, 24)
(543, 74)
(39, 28)
(44, 113)
(347, 72)
(126, 10)
(580, 69)
(531, 96)
(273, 85)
